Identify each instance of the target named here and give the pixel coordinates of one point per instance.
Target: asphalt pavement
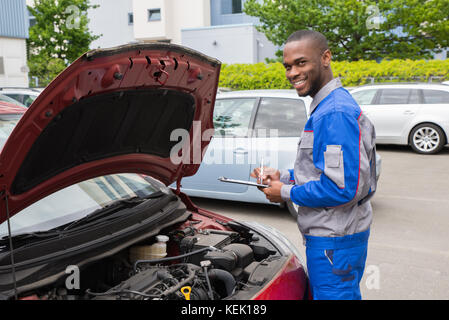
(408, 251)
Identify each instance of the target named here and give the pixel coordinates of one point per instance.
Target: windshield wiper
(102, 214)
(111, 208)
(24, 238)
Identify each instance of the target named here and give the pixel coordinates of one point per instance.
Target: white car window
(414, 97)
(232, 116)
(436, 96)
(364, 97)
(394, 96)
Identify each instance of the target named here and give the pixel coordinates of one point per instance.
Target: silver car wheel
(426, 139)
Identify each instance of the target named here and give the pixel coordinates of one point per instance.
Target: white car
(25, 96)
(407, 114)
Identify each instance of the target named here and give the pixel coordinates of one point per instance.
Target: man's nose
(293, 72)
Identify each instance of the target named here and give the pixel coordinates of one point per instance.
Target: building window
(231, 6)
(130, 18)
(32, 20)
(2, 67)
(154, 14)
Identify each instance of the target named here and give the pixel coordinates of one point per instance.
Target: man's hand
(273, 193)
(269, 175)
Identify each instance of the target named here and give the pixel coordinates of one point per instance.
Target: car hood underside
(111, 111)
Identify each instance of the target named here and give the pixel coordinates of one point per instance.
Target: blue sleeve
(341, 129)
(292, 174)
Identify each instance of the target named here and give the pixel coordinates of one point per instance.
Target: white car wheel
(427, 139)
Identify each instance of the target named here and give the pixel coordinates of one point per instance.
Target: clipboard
(249, 183)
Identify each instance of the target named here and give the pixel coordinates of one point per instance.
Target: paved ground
(408, 254)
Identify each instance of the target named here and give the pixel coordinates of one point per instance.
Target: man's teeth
(300, 82)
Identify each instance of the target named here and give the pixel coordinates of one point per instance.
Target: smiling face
(306, 67)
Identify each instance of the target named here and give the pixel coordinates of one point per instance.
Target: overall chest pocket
(305, 169)
(333, 165)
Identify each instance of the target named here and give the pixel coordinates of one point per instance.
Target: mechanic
(334, 173)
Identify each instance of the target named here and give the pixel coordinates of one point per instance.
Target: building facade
(113, 20)
(232, 36)
(14, 26)
(218, 28)
(163, 20)
(237, 43)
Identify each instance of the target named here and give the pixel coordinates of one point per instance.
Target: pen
(261, 170)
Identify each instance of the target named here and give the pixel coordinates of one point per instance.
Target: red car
(85, 209)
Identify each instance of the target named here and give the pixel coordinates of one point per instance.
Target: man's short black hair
(318, 38)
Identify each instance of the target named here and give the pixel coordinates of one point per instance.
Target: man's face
(304, 67)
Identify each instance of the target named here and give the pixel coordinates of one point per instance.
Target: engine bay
(192, 262)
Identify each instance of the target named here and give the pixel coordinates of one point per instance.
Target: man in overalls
(334, 173)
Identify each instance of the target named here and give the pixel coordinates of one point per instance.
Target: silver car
(407, 114)
(250, 126)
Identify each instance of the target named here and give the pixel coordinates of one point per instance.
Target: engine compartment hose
(210, 292)
(224, 276)
(210, 248)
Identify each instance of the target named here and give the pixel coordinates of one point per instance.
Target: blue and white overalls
(333, 178)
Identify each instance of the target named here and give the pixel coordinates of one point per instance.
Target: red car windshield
(79, 200)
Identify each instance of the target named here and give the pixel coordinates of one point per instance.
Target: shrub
(272, 75)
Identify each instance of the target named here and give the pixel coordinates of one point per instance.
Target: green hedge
(272, 75)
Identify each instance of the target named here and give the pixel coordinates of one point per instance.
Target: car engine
(203, 264)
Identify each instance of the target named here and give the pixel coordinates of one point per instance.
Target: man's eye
(301, 63)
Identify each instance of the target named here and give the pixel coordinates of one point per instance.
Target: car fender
(434, 119)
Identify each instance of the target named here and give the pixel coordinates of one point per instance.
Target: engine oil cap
(186, 292)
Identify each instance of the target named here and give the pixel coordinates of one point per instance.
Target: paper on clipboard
(249, 183)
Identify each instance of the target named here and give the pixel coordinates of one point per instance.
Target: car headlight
(277, 238)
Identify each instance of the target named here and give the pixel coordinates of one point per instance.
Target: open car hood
(123, 109)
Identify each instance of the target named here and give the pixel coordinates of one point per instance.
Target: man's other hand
(273, 193)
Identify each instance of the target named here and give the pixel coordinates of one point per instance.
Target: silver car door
(277, 127)
(228, 153)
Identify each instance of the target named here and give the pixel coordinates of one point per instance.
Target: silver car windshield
(7, 124)
(5, 98)
(77, 201)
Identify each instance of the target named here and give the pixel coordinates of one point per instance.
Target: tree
(59, 36)
(356, 29)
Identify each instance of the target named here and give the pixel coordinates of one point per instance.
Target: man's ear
(326, 58)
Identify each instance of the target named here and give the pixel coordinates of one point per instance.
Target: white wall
(13, 52)
(176, 15)
(144, 29)
(111, 20)
(230, 43)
